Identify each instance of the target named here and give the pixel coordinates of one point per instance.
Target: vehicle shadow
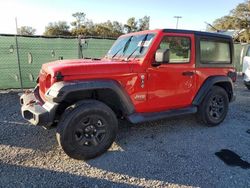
(15, 131)
(37, 177)
(166, 150)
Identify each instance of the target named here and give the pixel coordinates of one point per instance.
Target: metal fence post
(80, 53)
(18, 62)
(18, 57)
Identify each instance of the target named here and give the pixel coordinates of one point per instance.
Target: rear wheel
(248, 87)
(214, 107)
(88, 130)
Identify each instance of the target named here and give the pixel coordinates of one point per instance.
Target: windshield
(130, 46)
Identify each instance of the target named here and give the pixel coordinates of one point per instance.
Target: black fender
(61, 91)
(223, 81)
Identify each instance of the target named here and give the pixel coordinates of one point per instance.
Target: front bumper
(35, 110)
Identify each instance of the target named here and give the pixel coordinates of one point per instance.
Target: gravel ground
(169, 153)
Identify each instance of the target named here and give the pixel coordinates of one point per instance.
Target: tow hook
(27, 91)
(31, 103)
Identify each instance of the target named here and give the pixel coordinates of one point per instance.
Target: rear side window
(179, 48)
(214, 52)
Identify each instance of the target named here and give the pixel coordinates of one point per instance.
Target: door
(172, 84)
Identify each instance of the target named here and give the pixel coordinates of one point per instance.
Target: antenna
(210, 25)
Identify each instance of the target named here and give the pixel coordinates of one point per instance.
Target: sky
(38, 13)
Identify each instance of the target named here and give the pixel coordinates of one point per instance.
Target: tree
(224, 23)
(85, 27)
(105, 29)
(79, 19)
(131, 25)
(57, 28)
(144, 23)
(89, 25)
(102, 30)
(81, 25)
(238, 19)
(134, 25)
(80, 31)
(115, 28)
(26, 30)
(118, 29)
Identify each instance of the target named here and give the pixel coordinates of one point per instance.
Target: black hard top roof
(201, 33)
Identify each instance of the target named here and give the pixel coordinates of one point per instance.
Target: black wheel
(87, 130)
(214, 107)
(248, 87)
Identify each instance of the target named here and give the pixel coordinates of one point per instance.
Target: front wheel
(214, 107)
(88, 130)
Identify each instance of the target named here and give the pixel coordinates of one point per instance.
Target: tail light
(48, 81)
(58, 76)
(232, 75)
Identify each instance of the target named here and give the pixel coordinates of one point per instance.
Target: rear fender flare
(209, 83)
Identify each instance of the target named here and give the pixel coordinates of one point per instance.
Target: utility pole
(177, 20)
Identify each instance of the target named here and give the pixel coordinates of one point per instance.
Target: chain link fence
(21, 57)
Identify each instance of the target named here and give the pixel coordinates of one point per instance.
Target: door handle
(188, 73)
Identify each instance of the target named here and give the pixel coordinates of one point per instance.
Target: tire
(214, 107)
(87, 130)
(248, 87)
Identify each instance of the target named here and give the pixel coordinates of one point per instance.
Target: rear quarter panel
(203, 73)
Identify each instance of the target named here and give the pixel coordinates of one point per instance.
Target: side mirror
(162, 56)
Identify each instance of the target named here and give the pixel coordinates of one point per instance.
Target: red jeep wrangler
(145, 76)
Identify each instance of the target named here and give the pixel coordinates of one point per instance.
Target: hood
(79, 69)
(82, 67)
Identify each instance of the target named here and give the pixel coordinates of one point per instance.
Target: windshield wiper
(132, 53)
(141, 47)
(123, 47)
(117, 52)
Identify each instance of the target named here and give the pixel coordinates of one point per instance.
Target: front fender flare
(61, 90)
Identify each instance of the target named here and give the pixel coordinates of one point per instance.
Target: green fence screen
(34, 51)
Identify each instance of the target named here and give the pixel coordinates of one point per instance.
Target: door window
(179, 48)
